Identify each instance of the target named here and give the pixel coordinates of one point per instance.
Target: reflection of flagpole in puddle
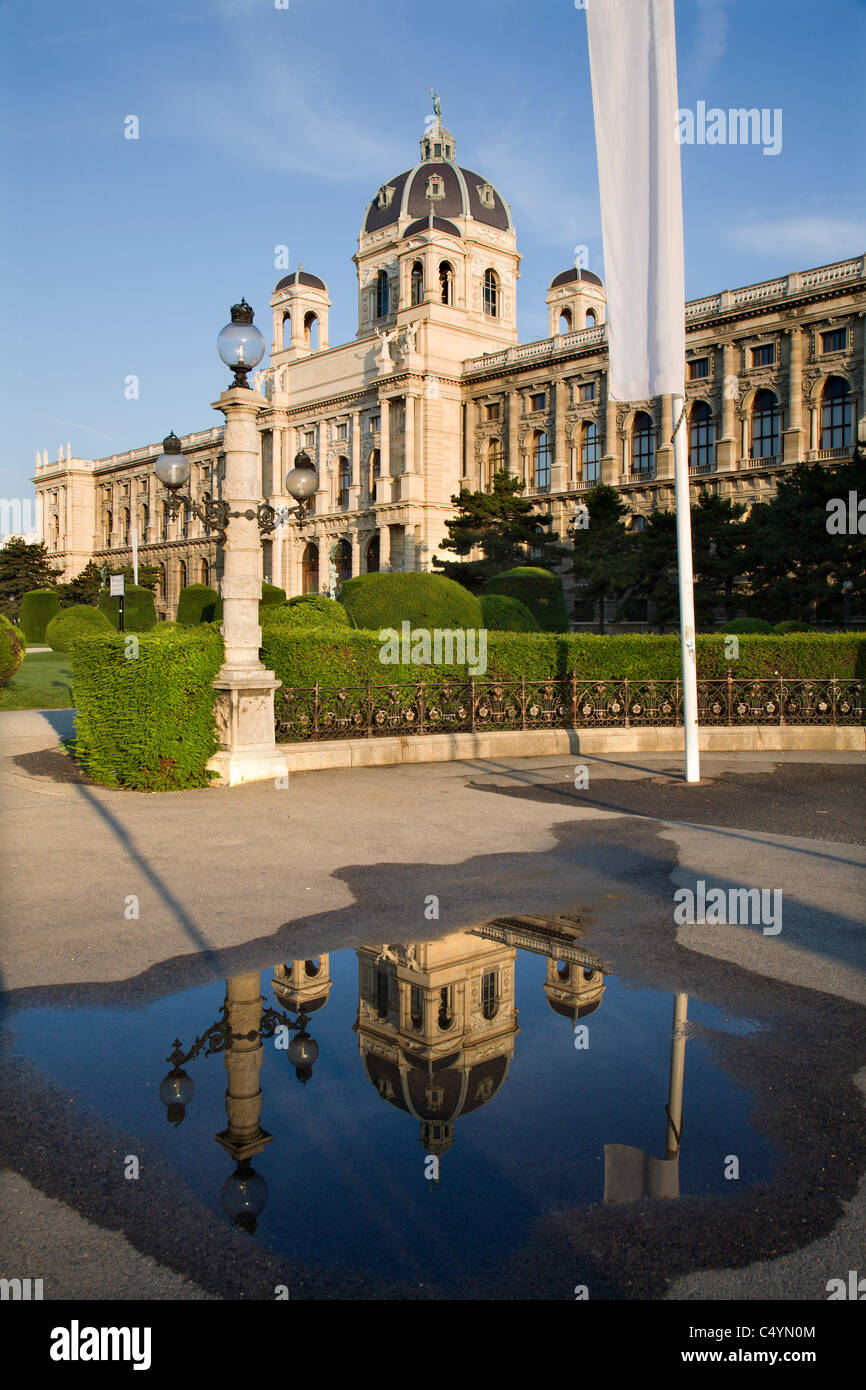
(631, 1173)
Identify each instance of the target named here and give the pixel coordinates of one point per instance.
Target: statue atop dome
(437, 105)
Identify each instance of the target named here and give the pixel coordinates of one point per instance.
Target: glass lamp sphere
(244, 1196)
(176, 1092)
(171, 468)
(302, 1051)
(241, 345)
(302, 481)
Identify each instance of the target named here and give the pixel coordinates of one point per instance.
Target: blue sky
(261, 126)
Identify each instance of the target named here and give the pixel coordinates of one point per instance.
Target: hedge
(503, 614)
(72, 623)
(198, 603)
(139, 609)
(272, 594)
(749, 625)
(37, 609)
(352, 658)
(541, 592)
(12, 647)
(376, 601)
(147, 721)
(311, 610)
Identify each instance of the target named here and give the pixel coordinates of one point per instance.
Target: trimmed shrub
(749, 625)
(198, 603)
(272, 594)
(12, 647)
(149, 723)
(309, 610)
(71, 623)
(539, 590)
(503, 614)
(376, 601)
(37, 609)
(791, 625)
(139, 609)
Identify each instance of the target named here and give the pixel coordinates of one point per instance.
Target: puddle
(508, 1058)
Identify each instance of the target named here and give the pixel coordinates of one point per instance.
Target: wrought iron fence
(305, 713)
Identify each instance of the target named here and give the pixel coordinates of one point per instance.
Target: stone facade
(435, 393)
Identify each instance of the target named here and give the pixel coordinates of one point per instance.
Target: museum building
(435, 394)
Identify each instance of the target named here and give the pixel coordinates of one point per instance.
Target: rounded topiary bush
(12, 647)
(79, 621)
(307, 610)
(272, 594)
(376, 601)
(139, 609)
(743, 626)
(539, 590)
(503, 614)
(37, 609)
(791, 625)
(198, 603)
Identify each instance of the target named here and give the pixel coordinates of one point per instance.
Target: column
(793, 441)
(244, 1137)
(513, 420)
(356, 553)
(409, 434)
(244, 705)
(384, 549)
(385, 438)
(559, 470)
(726, 445)
(861, 421)
(813, 428)
(610, 462)
(664, 448)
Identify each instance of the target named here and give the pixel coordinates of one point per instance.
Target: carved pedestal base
(245, 728)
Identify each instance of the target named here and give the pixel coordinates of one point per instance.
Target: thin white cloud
(828, 238)
(711, 38)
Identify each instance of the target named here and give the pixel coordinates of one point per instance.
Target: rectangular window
(834, 341)
(586, 392)
(764, 356)
(493, 410)
(310, 439)
(375, 423)
(537, 401)
(699, 367)
(342, 431)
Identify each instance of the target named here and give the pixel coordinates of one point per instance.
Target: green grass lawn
(42, 681)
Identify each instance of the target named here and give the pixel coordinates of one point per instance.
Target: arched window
(417, 278)
(491, 294)
(342, 481)
(310, 569)
(145, 523)
(540, 460)
(643, 444)
(702, 436)
(590, 452)
(181, 575)
(311, 330)
(489, 995)
(446, 282)
(590, 320)
(495, 461)
(166, 515)
(205, 572)
(287, 329)
(565, 321)
(446, 1007)
(765, 425)
(374, 469)
(343, 561)
(563, 970)
(373, 556)
(637, 523)
(312, 968)
(416, 1008)
(126, 526)
(160, 581)
(837, 414)
(184, 522)
(55, 532)
(109, 521)
(382, 994)
(383, 295)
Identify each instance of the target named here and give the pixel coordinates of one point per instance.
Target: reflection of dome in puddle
(303, 984)
(573, 990)
(436, 1027)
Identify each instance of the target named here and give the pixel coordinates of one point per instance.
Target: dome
(457, 192)
(301, 277)
(441, 224)
(566, 277)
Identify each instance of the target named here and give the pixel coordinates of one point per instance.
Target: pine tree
(603, 558)
(23, 566)
(504, 526)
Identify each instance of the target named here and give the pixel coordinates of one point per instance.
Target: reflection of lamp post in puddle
(631, 1173)
(239, 1033)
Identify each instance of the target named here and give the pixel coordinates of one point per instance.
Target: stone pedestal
(245, 690)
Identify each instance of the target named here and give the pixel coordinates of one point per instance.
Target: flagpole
(685, 576)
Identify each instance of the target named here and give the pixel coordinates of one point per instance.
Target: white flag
(633, 64)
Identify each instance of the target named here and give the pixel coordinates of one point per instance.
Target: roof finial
(437, 105)
(300, 266)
